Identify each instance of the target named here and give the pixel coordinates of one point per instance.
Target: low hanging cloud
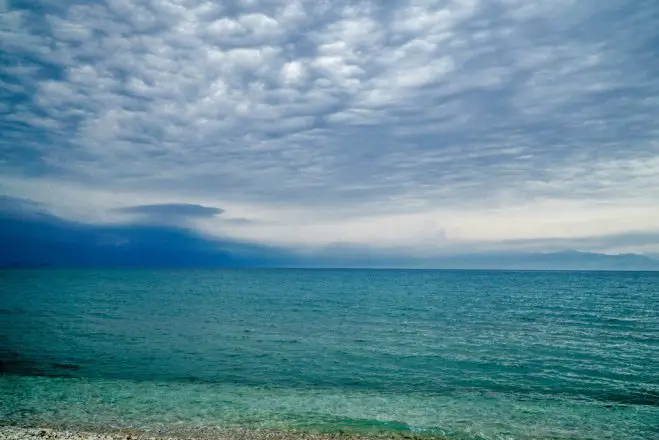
(415, 123)
(172, 214)
(172, 211)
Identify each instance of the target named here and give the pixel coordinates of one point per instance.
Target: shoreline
(19, 432)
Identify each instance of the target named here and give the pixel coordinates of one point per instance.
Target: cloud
(414, 124)
(171, 211)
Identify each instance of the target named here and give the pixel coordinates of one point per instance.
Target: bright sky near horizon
(423, 126)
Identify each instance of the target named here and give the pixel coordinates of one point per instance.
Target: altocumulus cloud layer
(421, 126)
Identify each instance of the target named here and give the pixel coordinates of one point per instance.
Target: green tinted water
(509, 355)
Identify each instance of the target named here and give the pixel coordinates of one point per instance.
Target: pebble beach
(25, 433)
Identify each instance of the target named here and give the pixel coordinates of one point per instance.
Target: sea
(456, 354)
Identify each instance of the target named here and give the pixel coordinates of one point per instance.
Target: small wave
(66, 366)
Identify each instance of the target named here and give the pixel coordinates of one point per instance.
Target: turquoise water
(482, 355)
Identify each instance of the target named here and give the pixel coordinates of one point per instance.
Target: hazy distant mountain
(566, 260)
(29, 237)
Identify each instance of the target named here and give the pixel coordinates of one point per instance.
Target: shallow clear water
(500, 355)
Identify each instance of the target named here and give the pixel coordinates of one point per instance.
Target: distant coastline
(505, 261)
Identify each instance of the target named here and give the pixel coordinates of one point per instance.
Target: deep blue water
(496, 355)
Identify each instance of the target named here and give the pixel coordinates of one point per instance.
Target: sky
(414, 128)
